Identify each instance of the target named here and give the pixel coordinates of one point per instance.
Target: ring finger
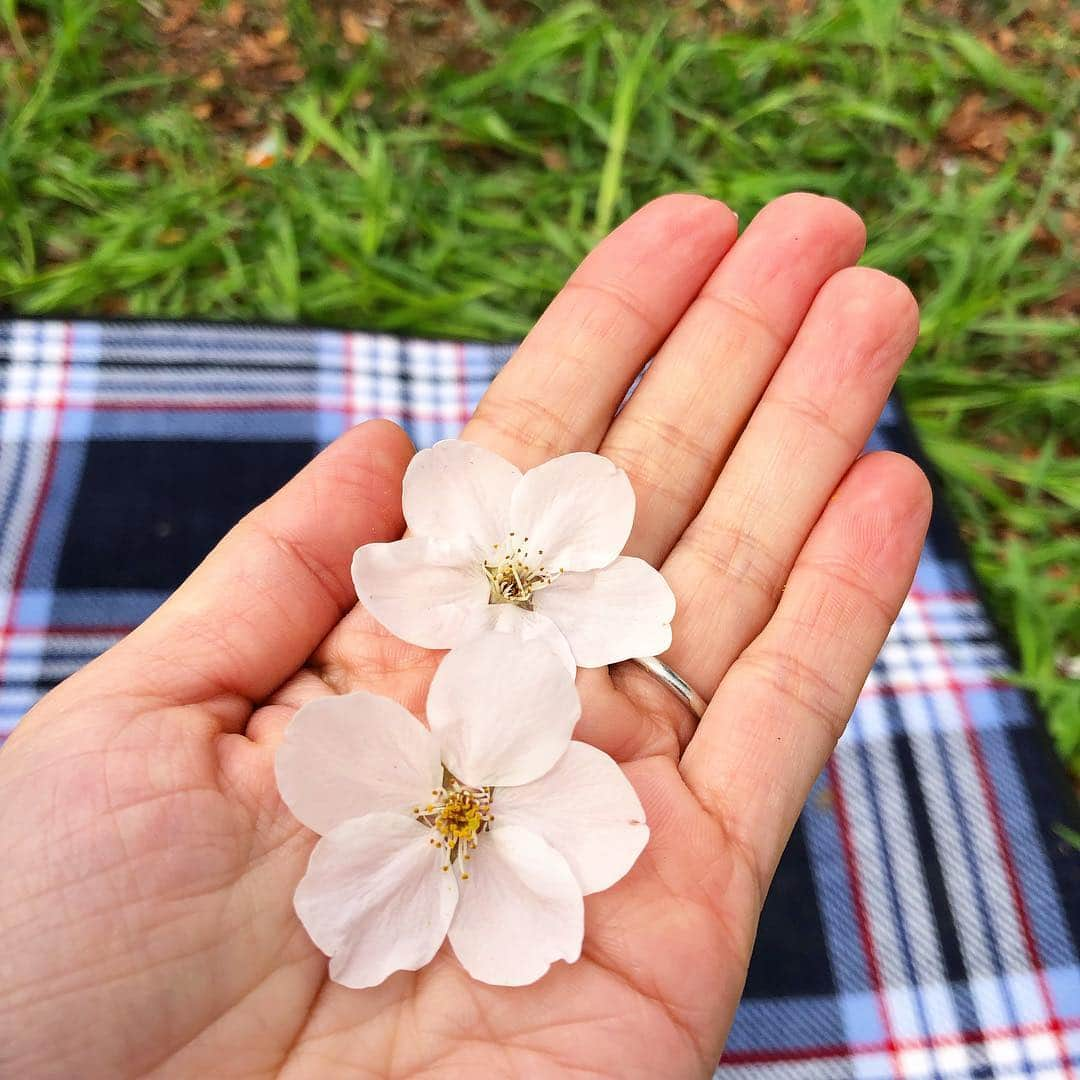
(730, 567)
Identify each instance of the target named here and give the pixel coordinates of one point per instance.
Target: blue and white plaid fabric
(924, 919)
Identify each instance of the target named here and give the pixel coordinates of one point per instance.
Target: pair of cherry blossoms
(490, 824)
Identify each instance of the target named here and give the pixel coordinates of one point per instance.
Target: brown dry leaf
(353, 28)
(290, 73)
(964, 120)
(180, 13)
(212, 80)
(378, 13)
(1042, 237)
(234, 13)
(1068, 303)
(202, 110)
(31, 23)
(553, 158)
(105, 135)
(276, 36)
(114, 305)
(687, 21)
(363, 100)
(982, 131)
(910, 157)
(252, 51)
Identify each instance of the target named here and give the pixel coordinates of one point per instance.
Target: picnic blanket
(924, 921)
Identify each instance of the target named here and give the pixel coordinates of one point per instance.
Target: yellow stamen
(514, 576)
(456, 817)
(460, 818)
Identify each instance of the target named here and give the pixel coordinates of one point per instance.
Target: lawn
(439, 167)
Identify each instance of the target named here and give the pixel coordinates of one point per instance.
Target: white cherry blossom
(487, 827)
(534, 554)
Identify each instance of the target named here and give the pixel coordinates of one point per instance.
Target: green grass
(456, 202)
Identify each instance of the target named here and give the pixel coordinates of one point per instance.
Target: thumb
(263, 599)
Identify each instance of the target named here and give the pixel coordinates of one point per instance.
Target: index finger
(561, 388)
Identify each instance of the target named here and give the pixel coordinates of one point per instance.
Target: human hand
(146, 917)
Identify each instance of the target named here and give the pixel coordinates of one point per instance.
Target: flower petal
(502, 709)
(612, 614)
(375, 898)
(530, 626)
(343, 757)
(577, 509)
(520, 910)
(587, 810)
(459, 491)
(432, 593)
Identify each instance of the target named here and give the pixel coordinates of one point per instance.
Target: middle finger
(558, 392)
(677, 429)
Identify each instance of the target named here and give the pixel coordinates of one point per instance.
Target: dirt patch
(237, 60)
(975, 128)
(234, 61)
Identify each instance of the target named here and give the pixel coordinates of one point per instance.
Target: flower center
(513, 575)
(457, 815)
(461, 818)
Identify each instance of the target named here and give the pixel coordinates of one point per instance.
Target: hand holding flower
(147, 922)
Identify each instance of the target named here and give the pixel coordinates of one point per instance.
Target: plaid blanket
(924, 920)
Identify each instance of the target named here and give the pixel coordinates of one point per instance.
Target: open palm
(148, 865)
